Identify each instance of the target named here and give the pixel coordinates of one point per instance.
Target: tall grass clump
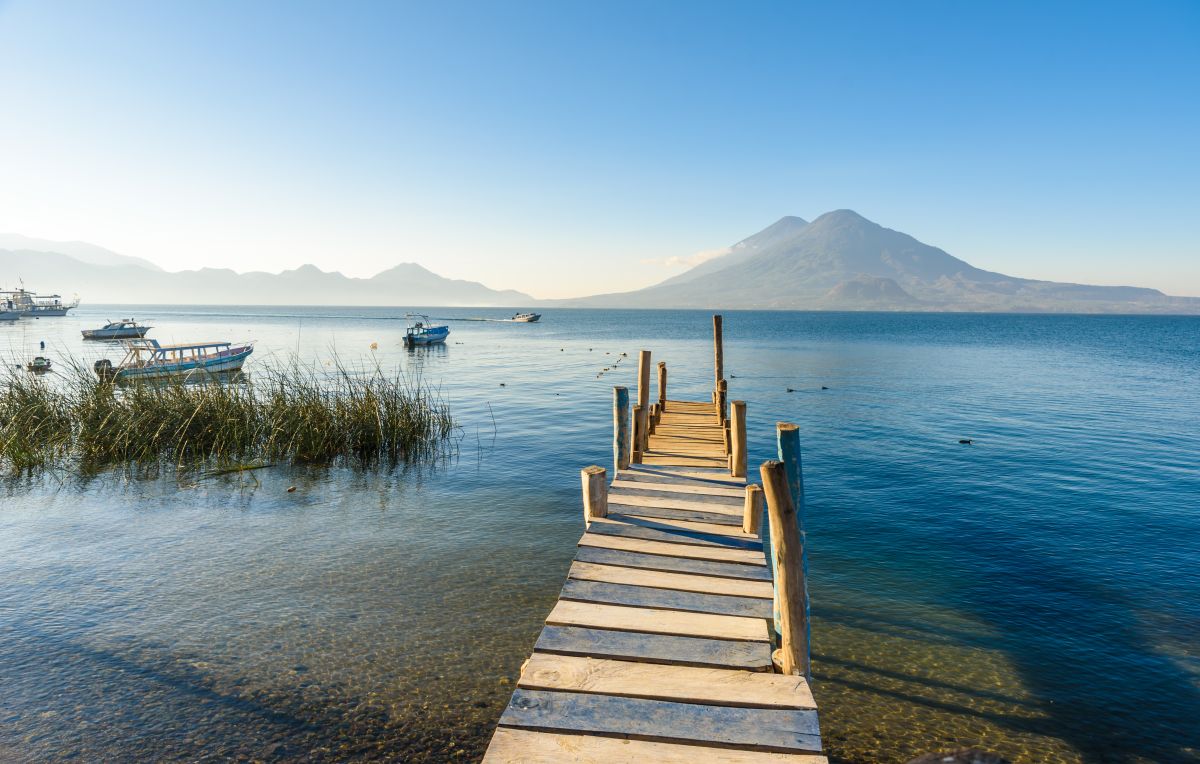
(292, 414)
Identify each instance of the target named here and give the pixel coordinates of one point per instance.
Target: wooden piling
(752, 511)
(653, 418)
(737, 418)
(638, 424)
(787, 551)
(595, 493)
(643, 398)
(718, 351)
(722, 394)
(621, 429)
(788, 449)
(662, 386)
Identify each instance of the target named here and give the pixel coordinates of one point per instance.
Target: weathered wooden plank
(670, 513)
(616, 574)
(518, 746)
(661, 530)
(689, 684)
(762, 728)
(683, 475)
(690, 489)
(655, 648)
(687, 461)
(635, 516)
(747, 557)
(642, 561)
(657, 621)
(629, 492)
(665, 599)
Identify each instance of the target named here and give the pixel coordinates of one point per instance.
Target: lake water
(1036, 593)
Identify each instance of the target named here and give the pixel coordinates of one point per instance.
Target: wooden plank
(636, 517)
(685, 461)
(675, 499)
(747, 557)
(615, 574)
(655, 648)
(683, 475)
(660, 530)
(694, 489)
(641, 561)
(689, 684)
(657, 621)
(517, 746)
(759, 728)
(666, 599)
(669, 513)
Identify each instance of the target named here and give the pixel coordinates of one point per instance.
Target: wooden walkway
(660, 646)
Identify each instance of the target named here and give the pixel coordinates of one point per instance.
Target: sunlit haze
(565, 149)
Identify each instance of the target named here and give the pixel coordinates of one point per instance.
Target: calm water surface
(1037, 593)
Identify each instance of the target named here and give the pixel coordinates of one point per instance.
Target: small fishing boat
(39, 365)
(526, 318)
(125, 329)
(146, 359)
(421, 332)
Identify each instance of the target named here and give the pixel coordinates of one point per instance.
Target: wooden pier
(672, 640)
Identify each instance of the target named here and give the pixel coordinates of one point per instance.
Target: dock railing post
(662, 386)
(653, 419)
(595, 493)
(638, 424)
(722, 394)
(621, 432)
(752, 510)
(737, 418)
(788, 450)
(718, 354)
(787, 553)
(643, 398)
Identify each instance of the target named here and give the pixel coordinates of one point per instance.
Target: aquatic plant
(291, 414)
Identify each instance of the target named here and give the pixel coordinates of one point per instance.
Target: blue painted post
(620, 428)
(788, 437)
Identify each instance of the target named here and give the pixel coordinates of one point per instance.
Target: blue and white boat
(147, 359)
(421, 332)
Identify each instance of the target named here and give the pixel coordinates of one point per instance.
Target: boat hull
(231, 362)
(435, 336)
(48, 312)
(10, 315)
(115, 334)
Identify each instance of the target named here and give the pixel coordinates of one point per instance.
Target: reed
(291, 414)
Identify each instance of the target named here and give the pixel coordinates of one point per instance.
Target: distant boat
(421, 332)
(8, 311)
(39, 365)
(38, 306)
(125, 329)
(526, 318)
(146, 359)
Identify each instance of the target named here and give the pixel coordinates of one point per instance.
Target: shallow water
(1036, 593)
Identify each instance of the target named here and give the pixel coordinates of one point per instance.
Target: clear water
(1036, 593)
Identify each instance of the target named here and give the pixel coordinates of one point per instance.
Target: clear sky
(567, 148)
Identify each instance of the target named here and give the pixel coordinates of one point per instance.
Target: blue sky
(565, 148)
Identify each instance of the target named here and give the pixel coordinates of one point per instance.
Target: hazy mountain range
(840, 261)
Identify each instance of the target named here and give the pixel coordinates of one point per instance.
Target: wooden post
(595, 493)
(621, 432)
(718, 352)
(787, 550)
(722, 388)
(653, 419)
(638, 424)
(752, 511)
(737, 418)
(643, 398)
(788, 445)
(662, 386)
(728, 440)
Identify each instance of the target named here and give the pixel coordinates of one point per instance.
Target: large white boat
(39, 305)
(526, 318)
(8, 309)
(146, 359)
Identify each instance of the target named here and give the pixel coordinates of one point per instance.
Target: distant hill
(842, 261)
(80, 250)
(128, 281)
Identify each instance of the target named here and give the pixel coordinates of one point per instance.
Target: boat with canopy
(147, 359)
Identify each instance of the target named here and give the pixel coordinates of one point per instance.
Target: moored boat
(421, 332)
(39, 365)
(125, 329)
(526, 318)
(147, 359)
(38, 305)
